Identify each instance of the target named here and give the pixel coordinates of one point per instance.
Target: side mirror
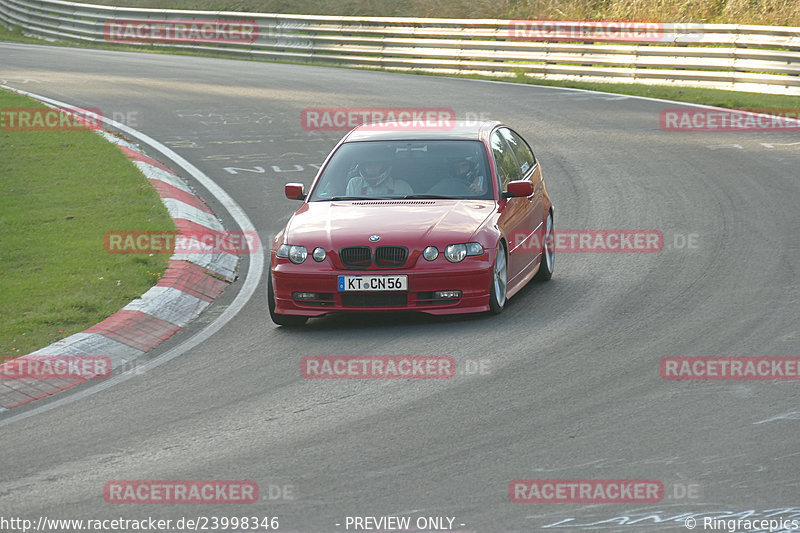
(294, 191)
(519, 188)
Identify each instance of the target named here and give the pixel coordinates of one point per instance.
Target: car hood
(411, 223)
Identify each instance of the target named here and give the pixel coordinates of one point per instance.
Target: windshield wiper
(429, 197)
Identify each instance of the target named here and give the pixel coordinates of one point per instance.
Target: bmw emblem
(374, 238)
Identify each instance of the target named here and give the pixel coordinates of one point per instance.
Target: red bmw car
(441, 222)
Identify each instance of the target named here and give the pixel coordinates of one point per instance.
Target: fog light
(447, 295)
(430, 253)
(305, 296)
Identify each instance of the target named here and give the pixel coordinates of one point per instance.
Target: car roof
(449, 130)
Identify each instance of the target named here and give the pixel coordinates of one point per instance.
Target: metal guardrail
(763, 59)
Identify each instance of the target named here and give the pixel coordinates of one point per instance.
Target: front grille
(374, 299)
(356, 257)
(391, 256)
(385, 256)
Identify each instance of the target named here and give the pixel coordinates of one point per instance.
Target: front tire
(281, 320)
(547, 260)
(497, 291)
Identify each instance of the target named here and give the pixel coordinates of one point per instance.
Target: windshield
(405, 169)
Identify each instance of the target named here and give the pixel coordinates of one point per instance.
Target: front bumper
(472, 277)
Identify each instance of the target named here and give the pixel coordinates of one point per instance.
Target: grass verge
(60, 192)
(15, 34)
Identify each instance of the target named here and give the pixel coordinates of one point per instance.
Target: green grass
(60, 191)
(15, 34)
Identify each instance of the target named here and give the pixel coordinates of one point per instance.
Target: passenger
(466, 171)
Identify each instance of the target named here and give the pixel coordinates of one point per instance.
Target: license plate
(373, 283)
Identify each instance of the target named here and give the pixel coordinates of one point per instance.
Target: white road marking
(719, 146)
(791, 415)
(773, 145)
(236, 170)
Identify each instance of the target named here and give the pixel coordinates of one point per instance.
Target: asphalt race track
(570, 387)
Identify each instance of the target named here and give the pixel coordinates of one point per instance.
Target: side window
(521, 150)
(507, 169)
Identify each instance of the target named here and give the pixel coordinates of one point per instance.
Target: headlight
(474, 248)
(430, 253)
(318, 255)
(455, 252)
(297, 254)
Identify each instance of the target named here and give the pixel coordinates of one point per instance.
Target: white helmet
(375, 168)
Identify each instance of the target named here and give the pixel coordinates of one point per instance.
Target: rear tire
(497, 290)
(547, 260)
(289, 321)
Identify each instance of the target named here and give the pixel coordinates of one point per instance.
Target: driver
(465, 170)
(373, 179)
